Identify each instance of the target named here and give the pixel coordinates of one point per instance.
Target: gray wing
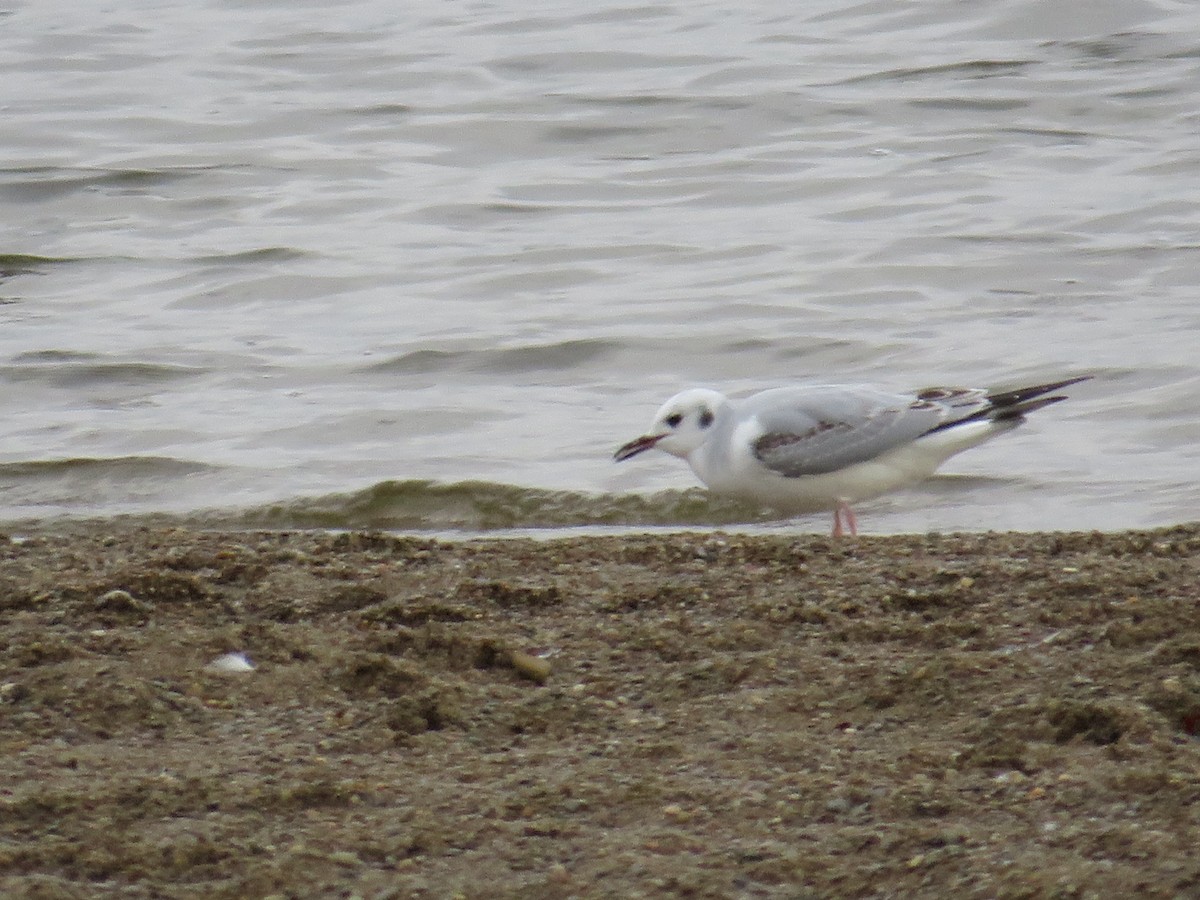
(810, 431)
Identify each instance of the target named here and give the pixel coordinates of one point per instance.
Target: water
(427, 264)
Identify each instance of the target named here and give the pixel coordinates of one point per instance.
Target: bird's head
(680, 426)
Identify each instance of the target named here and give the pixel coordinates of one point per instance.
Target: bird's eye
(706, 418)
(673, 420)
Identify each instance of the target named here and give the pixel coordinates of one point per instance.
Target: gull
(824, 447)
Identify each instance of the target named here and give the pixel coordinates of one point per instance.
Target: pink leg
(851, 519)
(843, 509)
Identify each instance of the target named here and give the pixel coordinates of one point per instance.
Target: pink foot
(844, 510)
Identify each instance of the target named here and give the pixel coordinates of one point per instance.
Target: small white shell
(231, 662)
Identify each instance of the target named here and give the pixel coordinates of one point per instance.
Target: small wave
(253, 257)
(563, 355)
(487, 506)
(65, 368)
(13, 264)
(421, 362)
(125, 466)
(976, 68)
(41, 183)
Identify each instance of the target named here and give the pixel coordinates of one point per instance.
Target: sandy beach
(683, 715)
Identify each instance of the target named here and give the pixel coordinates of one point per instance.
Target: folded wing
(812, 431)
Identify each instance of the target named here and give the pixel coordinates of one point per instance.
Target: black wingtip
(1012, 406)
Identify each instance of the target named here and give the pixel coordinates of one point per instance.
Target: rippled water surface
(306, 258)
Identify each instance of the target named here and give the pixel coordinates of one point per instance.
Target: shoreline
(702, 713)
(805, 528)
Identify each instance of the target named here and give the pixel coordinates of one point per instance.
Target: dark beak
(636, 446)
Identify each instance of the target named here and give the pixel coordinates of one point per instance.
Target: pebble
(122, 602)
(231, 663)
(533, 667)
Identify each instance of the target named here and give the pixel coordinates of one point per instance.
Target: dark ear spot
(673, 420)
(706, 418)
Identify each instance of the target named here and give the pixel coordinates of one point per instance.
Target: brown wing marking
(774, 441)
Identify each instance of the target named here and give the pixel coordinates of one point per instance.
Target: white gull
(804, 449)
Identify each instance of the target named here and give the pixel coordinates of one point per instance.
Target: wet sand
(688, 715)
